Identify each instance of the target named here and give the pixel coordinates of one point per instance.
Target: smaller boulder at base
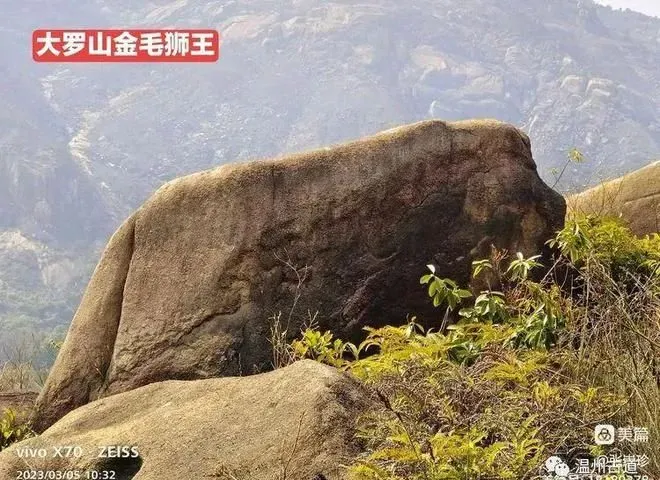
(297, 421)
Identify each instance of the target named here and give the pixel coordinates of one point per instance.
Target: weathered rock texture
(300, 419)
(186, 286)
(635, 197)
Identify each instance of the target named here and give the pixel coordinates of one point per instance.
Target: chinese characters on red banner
(125, 45)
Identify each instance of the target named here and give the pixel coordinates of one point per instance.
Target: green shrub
(469, 405)
(320, 347)
(527, 371)
(610, 244)
(11, 429)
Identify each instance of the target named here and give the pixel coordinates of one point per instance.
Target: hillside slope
(82, 145)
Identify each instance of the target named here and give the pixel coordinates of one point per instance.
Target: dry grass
(21, 377)
(618, 338)
(27, 363)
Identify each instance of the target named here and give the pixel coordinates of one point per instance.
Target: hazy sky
(649, 7)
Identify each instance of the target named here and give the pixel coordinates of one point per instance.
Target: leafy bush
(12, 430)
(321, 347)
(610, 244)
(528, 370)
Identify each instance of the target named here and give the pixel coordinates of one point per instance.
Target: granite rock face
(187, 285)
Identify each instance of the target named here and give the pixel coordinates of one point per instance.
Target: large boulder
(635, 197)
(187, 285)
(297, 423)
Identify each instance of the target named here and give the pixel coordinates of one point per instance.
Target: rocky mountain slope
(82, 145)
